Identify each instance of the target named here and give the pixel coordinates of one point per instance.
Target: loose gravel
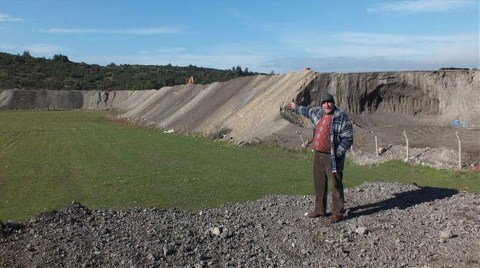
(388, 225)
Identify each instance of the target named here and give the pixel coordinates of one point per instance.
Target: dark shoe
(336, 218)
(314, 214)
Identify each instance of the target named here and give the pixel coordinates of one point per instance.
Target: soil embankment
(252, 109)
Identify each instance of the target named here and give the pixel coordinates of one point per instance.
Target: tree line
(27, 72)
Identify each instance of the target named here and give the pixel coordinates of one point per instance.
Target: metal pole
(406, 139)
(376, 145)
(459, 151)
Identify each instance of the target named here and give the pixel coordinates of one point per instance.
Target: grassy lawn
(50, 158)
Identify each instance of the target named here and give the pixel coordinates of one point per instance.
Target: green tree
(60, 58)
(25, 71)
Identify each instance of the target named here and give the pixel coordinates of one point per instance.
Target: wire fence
(380, 150)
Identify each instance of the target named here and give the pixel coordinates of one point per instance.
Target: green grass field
(51, 158)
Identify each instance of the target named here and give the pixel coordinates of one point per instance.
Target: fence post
(459, 151)
(406, 139)
(376, 145)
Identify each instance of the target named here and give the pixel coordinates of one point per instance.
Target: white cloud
(165, 50)
(372, 38)
(399, 46)
(44, 49)
(220, 56)
(420, 6)
(365, 64)
(137, 31)
(343, 52)
(6, 17)
(361, 51)
(6, 47)
(34, 49)
(360, 44)
(218, 61)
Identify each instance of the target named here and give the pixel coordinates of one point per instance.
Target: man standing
(333, 137)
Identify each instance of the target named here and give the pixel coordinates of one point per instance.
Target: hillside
(27, 72)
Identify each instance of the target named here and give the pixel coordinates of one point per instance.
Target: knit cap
(326, 97)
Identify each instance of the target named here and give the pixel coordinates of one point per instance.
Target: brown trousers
(322, 172)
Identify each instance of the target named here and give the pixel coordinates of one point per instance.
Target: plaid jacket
(341, 133)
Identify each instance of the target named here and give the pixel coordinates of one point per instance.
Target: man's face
(327, 107)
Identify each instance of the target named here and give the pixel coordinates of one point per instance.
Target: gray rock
(446, 234)
(423, 219)
(361, 230)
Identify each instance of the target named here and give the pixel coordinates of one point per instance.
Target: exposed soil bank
(252, 109)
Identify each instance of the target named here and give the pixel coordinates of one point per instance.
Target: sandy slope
(252, 109)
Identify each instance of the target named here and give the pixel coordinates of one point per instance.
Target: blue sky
(262, 35)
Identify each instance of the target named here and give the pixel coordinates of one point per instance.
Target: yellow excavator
(189, 81)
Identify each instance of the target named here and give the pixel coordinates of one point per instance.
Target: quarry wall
(253, 108)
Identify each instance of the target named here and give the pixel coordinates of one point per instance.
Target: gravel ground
(388, 225)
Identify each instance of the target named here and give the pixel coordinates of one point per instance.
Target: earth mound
(428, 108)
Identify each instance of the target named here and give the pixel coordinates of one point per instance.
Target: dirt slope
(252, 109)
(247, 108)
